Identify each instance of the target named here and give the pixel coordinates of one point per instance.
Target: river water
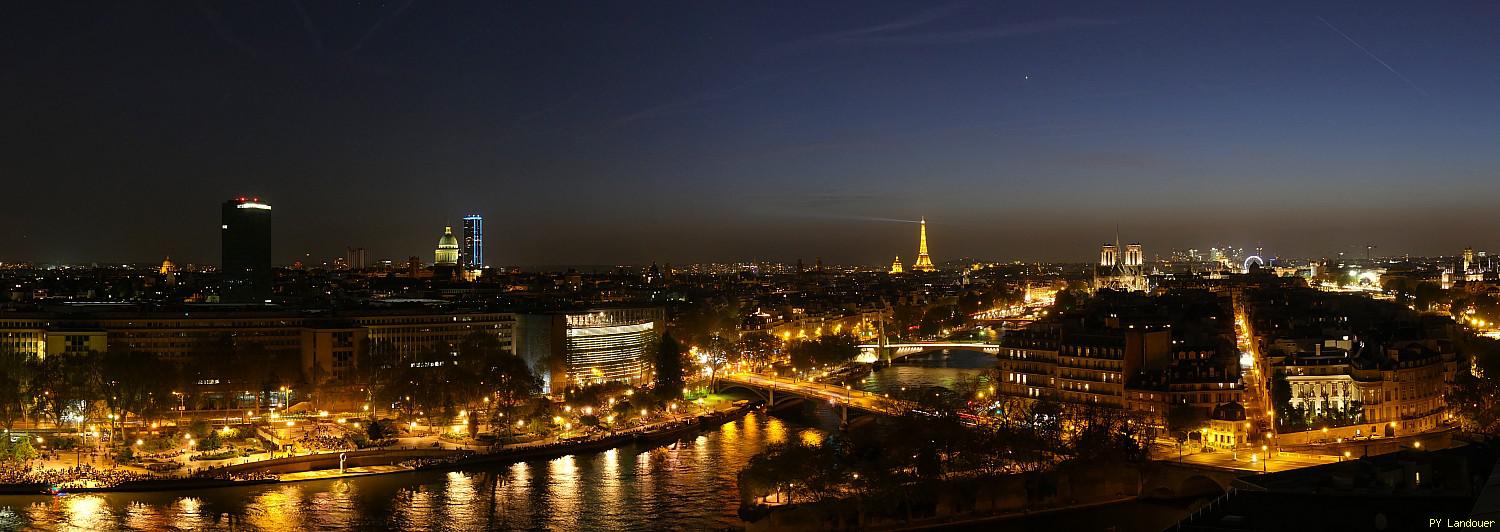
(687, 486)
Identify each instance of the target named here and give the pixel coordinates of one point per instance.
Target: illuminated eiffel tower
(924, 262)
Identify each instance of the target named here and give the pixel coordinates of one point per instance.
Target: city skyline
(755, 131)
(673, 265)
(473, 239)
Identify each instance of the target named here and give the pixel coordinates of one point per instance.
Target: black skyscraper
(245, 244)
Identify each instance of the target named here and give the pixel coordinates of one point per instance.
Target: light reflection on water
(931, 370)
(687, 486)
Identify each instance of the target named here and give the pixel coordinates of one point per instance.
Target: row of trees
(827, 350)
(477, 375)
(888, 466)
(88, 387)
(1474, 397)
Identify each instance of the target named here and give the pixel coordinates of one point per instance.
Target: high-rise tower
(245, 249)
(471, 255)
(924, 262)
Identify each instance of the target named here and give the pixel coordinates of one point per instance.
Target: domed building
(168, 271)
(447, 249)
(445, 259)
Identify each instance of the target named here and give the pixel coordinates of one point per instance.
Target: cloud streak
(899, 32)
(1372, 55)
(972, 35)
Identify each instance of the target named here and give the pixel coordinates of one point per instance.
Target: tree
(64, 383)
(759, 347)
(905, 319)
(15, 373)
(824, 350)
(669, 366)
(1281, 401)
(716, 354)
(1181, 420)
(131, 382)
(509, 381)
(378, 429)
(1067, 300)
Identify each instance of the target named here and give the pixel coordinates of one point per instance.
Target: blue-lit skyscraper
(471, 252)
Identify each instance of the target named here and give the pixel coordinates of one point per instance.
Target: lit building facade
(330, 346)
(445, 258)
(1117, 271)
(1140, 369)
(447, 249)
(580, 348)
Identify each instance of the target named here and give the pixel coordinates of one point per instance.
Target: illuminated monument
(896, 266)
(445, 259)
(924, 262)
(1121, 273)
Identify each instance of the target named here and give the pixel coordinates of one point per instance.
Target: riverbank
(984, 502)
(386, 461)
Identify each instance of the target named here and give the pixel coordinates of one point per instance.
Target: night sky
(627, 132)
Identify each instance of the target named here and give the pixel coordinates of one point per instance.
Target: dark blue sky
(627, 132)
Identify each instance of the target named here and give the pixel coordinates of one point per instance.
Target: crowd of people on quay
(221, 474)
(324, 442)
(83, 475)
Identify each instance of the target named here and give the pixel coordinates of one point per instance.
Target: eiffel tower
(924, 262)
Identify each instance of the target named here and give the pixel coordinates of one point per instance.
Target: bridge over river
(779, 390)
(870, 353)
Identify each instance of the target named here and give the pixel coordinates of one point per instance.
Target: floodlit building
(1117, 272)
(587, 347)
(445, 258)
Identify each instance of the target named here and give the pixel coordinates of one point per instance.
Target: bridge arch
(1200, 485)
(1176, 481)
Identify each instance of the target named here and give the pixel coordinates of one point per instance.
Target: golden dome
(447, 249)
(448, 241)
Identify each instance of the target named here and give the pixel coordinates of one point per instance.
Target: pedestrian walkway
(347, 472)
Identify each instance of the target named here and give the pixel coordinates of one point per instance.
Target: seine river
(687, 486)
